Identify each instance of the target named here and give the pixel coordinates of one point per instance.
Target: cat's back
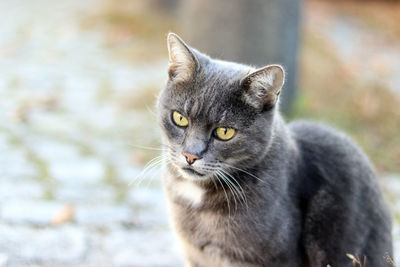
(330, 160)
(318, 136)
(340, 195)
(324, 145)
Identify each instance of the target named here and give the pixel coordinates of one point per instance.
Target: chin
(192, 175)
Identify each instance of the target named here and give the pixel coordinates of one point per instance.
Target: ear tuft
(182, 61)
(262, 87)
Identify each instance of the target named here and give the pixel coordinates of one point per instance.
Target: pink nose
(190, 158)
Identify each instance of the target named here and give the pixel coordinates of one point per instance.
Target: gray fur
(306, 194)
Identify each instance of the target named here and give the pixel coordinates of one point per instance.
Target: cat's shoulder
(316, 137)
(316, 132)
(330, 150)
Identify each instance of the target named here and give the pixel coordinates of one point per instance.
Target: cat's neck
(281, 146)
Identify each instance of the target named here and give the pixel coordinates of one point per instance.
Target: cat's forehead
(219, 70)
(216, 101)
(210, 107)
(219, 79)
(214, 96)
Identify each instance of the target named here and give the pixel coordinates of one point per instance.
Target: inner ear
(262, 87)
(182, 61)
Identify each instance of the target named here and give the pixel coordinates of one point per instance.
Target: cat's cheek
(222, 150)
(173, 133)
(176, 138)
(235, 151)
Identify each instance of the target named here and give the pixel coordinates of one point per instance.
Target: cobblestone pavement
(65, 142)
(66, 159)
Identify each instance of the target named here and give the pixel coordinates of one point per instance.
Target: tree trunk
(255, 32)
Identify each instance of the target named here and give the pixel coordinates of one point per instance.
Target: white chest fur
(189, 191)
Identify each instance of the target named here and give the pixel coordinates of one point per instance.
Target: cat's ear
(263, 86)
(182, 61)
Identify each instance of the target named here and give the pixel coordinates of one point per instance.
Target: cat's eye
(224, 133)
(179, 119)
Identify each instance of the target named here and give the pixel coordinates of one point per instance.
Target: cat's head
(217, 116)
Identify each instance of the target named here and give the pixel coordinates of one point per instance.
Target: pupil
(225, 130)
(180, 118)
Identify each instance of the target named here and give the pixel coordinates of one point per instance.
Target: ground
(75, 135)
(67, 142)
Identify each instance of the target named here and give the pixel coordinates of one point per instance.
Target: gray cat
(246, 189)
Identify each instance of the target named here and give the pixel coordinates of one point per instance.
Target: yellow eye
(179, 119)
(224, 133)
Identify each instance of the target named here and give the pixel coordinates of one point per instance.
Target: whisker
(153, 174)
(149, 165)
(226, 196)
(215, 185)
(151, 111)
(229, 185)
(239, 189)
(150, 168)
(244, 171)
(147, 147)
(241, 193)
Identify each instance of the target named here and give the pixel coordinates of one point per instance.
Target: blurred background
(78, 85)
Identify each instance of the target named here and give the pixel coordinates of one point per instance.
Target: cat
(246, 189)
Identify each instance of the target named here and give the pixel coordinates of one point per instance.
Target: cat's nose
(190, 158)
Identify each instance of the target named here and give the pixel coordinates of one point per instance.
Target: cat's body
(305, 194)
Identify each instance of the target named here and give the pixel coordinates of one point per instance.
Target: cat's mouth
(193, 172)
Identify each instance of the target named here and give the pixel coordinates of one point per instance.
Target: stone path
(66, 157)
